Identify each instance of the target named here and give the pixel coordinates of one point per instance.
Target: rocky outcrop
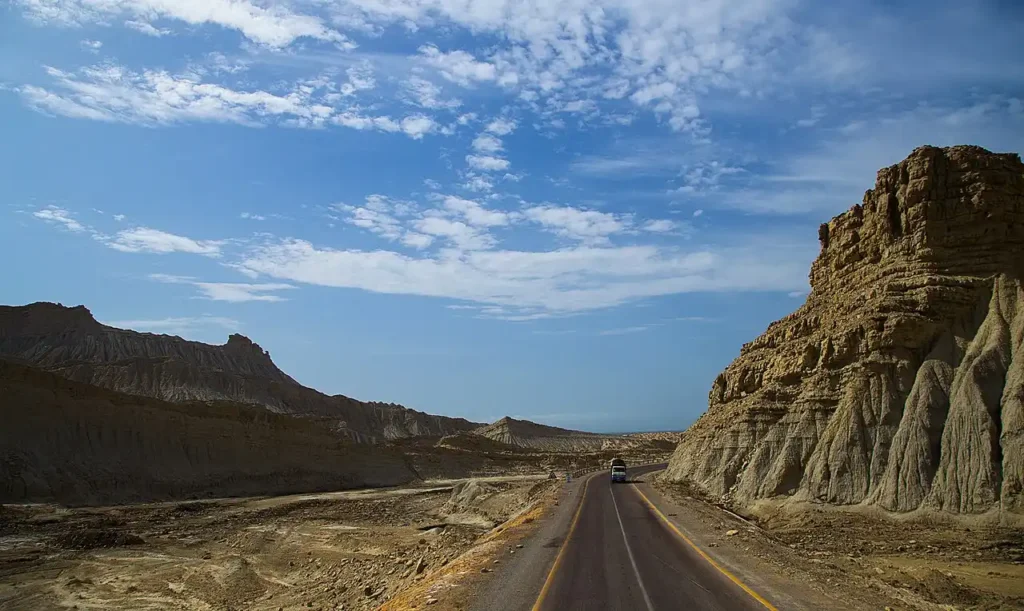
(900, 381)
(73, 443)
(70, 342)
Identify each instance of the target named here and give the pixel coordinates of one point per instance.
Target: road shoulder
(515, 582)
(769, 568)
(506, 568)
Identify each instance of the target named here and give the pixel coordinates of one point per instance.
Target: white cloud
(459, 234)
(146, 28)
(252, 217)
(425, 94)
(458, 66)
(487, 163)
(59, 216)
(235, 292)
(93, 46)
(698, 212)
(274, 26)
(360, 78)
(474, 213)
(379, 215)
(501, 127)
(624, 330)
(475, 182)
(535, 284)
(578, 224)
(114, 94)
(486, 143)
(704, 177)
(240, 292)
(832, 174)
(417, 240)
(147, 240)
(430, 183)
(119, 217)
(417, 126)
(184, 326)
(659, 226)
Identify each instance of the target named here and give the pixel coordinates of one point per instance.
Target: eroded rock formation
(900, 381)
(71, 343)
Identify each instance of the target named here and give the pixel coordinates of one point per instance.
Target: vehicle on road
(618, 470)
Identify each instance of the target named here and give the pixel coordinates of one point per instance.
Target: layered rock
(899, 382)
(74, 443)
(71, 343)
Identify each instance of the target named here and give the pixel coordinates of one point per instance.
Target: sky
(574, 212)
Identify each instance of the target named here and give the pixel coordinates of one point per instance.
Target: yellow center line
(561, 552)
(703, 554)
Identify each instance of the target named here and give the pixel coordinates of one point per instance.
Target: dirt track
(350, 550)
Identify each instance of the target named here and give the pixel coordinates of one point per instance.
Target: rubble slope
(899, 382)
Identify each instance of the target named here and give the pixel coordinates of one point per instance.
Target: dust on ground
(350, 550)
(877, 561)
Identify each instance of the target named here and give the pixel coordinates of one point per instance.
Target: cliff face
(71, 343)
(70, 442)
(900, 381)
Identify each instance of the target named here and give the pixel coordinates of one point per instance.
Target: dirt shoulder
(351, 550)
(506, 567)
(853, 560)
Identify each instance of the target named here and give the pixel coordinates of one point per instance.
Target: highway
(620, 554)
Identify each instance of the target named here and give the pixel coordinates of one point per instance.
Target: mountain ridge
(69, 341)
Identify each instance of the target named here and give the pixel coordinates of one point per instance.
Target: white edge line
(636, 571)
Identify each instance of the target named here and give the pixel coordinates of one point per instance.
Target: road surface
(622, 555)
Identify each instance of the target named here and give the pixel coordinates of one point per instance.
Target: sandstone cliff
(71, 343)
(73, 443)
(900, 381)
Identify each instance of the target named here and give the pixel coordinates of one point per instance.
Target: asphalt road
(620, 555)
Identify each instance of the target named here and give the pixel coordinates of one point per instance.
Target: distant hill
(524, 434)
(69, 342)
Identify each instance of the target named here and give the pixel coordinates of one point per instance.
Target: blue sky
(574, 212)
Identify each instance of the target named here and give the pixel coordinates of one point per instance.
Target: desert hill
(71, 343)
(900, 382)
(528, 435)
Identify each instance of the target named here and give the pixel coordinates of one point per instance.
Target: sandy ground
(867, 560)
(346, 550)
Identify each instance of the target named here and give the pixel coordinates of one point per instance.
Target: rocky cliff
(74, 443)
(900, 381)
(71, 343)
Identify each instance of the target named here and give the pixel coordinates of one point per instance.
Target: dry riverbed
(347, 550)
